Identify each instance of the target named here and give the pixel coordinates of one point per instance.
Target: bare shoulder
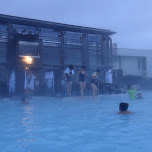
(125, 112)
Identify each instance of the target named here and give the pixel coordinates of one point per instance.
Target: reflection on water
(75, 124)
(30, 125)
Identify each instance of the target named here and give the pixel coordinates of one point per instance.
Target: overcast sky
(131, 19)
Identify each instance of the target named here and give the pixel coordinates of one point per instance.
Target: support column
(85, 53)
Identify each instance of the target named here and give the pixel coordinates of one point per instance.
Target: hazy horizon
(130, 19)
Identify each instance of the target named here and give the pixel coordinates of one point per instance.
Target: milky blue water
(76, 125)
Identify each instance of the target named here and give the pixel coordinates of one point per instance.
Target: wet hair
(71, 66)
(83, 67)
(98, 70)
(123, 106)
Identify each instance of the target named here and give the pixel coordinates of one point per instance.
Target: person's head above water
(139, 96)
(123, 107)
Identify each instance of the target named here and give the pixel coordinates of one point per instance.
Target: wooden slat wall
(3, 52)
(50, 55)
(3, 43)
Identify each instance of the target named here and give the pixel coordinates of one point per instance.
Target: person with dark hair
(94, 82)
(123, 108)
(68, 78)
(81, 79)
(71, 67)
(139, 96)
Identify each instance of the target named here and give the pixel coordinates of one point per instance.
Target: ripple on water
(76, 124)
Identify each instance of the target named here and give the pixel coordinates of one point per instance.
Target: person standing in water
(68, 73)
(131, 91)
(94, 82)
(81, 80)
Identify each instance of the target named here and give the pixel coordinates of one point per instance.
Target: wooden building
(52, 46)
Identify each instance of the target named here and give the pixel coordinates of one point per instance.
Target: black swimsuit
(68, 76)
(81, 77)
(93, 81)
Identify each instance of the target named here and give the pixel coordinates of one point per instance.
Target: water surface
(76, 124)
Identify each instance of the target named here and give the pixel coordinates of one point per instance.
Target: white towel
(25, 82)
(49, 77)
(12, 83)
(31, 84)
(108, 77)
(67, 71)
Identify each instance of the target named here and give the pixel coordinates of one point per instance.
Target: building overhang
(6, 19)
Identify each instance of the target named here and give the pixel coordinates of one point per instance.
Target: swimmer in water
(139, 96)
(132, 93)
(24, 100)
(123, 108)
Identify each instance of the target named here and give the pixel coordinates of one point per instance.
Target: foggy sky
(131, 19)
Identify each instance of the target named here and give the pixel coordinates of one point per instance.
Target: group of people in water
(132, 93)
(81, 79)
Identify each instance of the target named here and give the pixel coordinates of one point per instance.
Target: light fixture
(28, 60)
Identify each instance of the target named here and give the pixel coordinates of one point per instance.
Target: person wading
(81, 80)
(68, 73)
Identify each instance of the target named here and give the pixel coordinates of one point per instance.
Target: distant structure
(42, 46)
(134, 62)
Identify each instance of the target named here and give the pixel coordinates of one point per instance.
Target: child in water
(123, 108)
(132, 93)
(139, 96)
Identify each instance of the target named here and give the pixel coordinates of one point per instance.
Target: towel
(108, 77)
(12, 82)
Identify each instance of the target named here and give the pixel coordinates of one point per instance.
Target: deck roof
(6, 19)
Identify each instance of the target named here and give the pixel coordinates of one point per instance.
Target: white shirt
(67, 70)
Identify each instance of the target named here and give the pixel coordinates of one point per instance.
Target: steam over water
(75, 125)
